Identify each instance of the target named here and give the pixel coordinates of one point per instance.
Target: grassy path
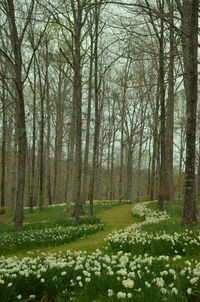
(114, 218)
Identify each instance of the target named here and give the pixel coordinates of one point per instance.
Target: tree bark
(20, 113)
(3, 156)
(170, 110)
(87, 139)
(77, 103)
(163, 180)
(189, 47)
(97, 114)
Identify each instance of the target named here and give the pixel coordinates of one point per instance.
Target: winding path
(115, 218)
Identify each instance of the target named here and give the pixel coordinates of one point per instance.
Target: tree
(3, 151)
(16, 40)
(189, 37)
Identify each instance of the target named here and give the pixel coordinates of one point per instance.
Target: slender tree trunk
(170, 111)
(41, 143)
(3, 156)
(122, 132)
(163, 180)
(130, 171)
(180, 179)
(97, 114)
(198, 174)
(31, 196)
(77, 102)
(58, 143)
(14, 172)
(48, 155)
(69, 186)
(149, 168)
(87, 139)
(112, 189)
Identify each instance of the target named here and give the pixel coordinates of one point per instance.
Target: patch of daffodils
(79, 275)
(47, 236)
(134, 239)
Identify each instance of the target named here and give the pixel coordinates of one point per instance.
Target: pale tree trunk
(3, 154)
(69, 183)
(87, 139)
(112, 188)
(109, 147)
(142, 118)
(41, 142)
(48, 108)
(180, 179)
(153, 188)
(170, 110)
(163, 179)
(149, 168)
(9, 156)
(58, 142)
(14, 171)
(198, 174)
(130, 167)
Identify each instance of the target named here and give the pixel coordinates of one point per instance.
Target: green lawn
(115, 218)
(113, 215)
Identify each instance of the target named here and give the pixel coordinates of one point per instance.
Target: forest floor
(113, 219)
(149, 256)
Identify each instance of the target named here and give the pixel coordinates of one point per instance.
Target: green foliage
(83, 277)
(143, 198)
(52, 224)
(136, 276)
(160, 233)
(45, 237)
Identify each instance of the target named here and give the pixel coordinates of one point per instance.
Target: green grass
(174, 224)
(114, 219)
(49, 214)
(113, 215)
(61, 281)
(45, 215)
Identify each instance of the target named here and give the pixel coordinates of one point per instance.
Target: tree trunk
(41, 143)
(190, 46)
(112, 188)
(20, 114)
(31, 196)
(77, 103)
(3, 155)
(170, 111)
(97, 114)
(48, 108)
(163, 180)
(87, 139)
(58, 142)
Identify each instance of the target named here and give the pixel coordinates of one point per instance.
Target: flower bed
(82, 277)
(134, 239)
(45, 237)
